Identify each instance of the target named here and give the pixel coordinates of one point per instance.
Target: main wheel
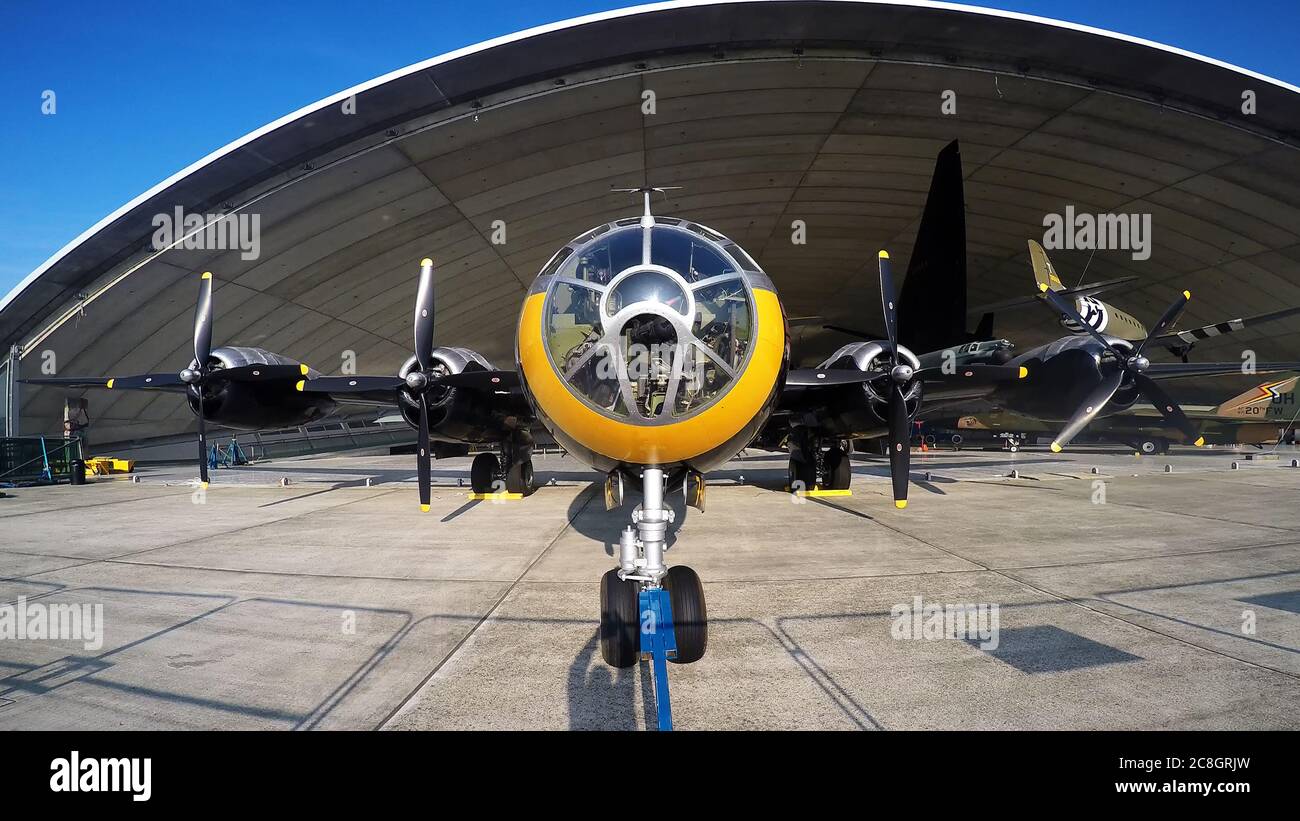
(520, 478)
(483, 472)
(801, 475)
(839, 473)
(619, 638)
(690, 621)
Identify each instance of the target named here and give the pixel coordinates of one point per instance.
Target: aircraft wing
(164, 382)
(1177, 340)
(382, 390)
(1175, 370)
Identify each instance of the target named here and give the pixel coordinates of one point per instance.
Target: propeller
(900, 424)
(202, 373)
(1132, 365)
(205, 372)
(419, 380)
(202, 350)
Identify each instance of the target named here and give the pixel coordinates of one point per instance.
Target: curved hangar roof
(765, 113)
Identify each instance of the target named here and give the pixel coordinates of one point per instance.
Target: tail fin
(932, 304)
(1044, 273)
(1258, 402)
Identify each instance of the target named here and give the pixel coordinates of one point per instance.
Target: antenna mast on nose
(647, 219)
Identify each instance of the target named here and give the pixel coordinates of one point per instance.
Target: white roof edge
(573, 23)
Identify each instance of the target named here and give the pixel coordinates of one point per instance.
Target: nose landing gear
(649, 610)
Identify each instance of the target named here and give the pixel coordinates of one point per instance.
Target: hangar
(491, 157)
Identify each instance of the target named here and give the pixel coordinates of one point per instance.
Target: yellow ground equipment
(104, 465)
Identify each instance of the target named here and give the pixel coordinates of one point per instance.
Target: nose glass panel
(683, 343)
(646, 286)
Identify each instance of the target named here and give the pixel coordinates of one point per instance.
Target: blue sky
(144, 92)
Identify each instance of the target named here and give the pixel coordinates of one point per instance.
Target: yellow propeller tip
(1187, 294)
(426, 261)
(1056, 448)
(1200, 440)
(424, 508)
(884, 255)
(110, 383)
(203, 485)
(206, 275)
(900, 503)
(302, 383)
(304, 369)
(1023, 372)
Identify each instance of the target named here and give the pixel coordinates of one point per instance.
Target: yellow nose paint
(655, 444)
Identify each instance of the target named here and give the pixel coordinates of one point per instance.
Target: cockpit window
(650, 343)
(688, 255)
(599, 261)
(738, 254)
(722, 325)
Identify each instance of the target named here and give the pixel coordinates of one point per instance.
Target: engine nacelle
(863, 410)
(455, 414)
(1063, 375)
(255, 405)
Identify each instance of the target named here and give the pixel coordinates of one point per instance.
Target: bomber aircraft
(654, 349)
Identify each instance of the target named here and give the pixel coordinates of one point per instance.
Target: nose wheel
(690, 619)
(648, 610)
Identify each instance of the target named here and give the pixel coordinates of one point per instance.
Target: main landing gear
(512, 472)
(647, 609)
(817, 463)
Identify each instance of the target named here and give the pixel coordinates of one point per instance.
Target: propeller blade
(1066, 307)
(203, 442)
(1088, 411)
(351, 384)
(424, 316)
(975, 375)
(1170, 316)
(813, 377)
(1168, 408)
(481, 380)
(900, 445)
(203, 322)
(422, 454)
(887, 302)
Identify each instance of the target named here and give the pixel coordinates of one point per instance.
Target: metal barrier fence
(26, 459)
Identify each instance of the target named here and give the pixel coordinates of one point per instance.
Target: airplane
(1106, 318)
(655, 349)
(1256, 417)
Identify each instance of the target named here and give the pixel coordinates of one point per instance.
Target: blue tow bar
(659, 642)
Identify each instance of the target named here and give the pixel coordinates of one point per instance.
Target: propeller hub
(190, 376)
(1139, 363)
(417, 380)
(902, 373)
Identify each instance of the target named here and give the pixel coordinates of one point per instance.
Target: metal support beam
(10, 373)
